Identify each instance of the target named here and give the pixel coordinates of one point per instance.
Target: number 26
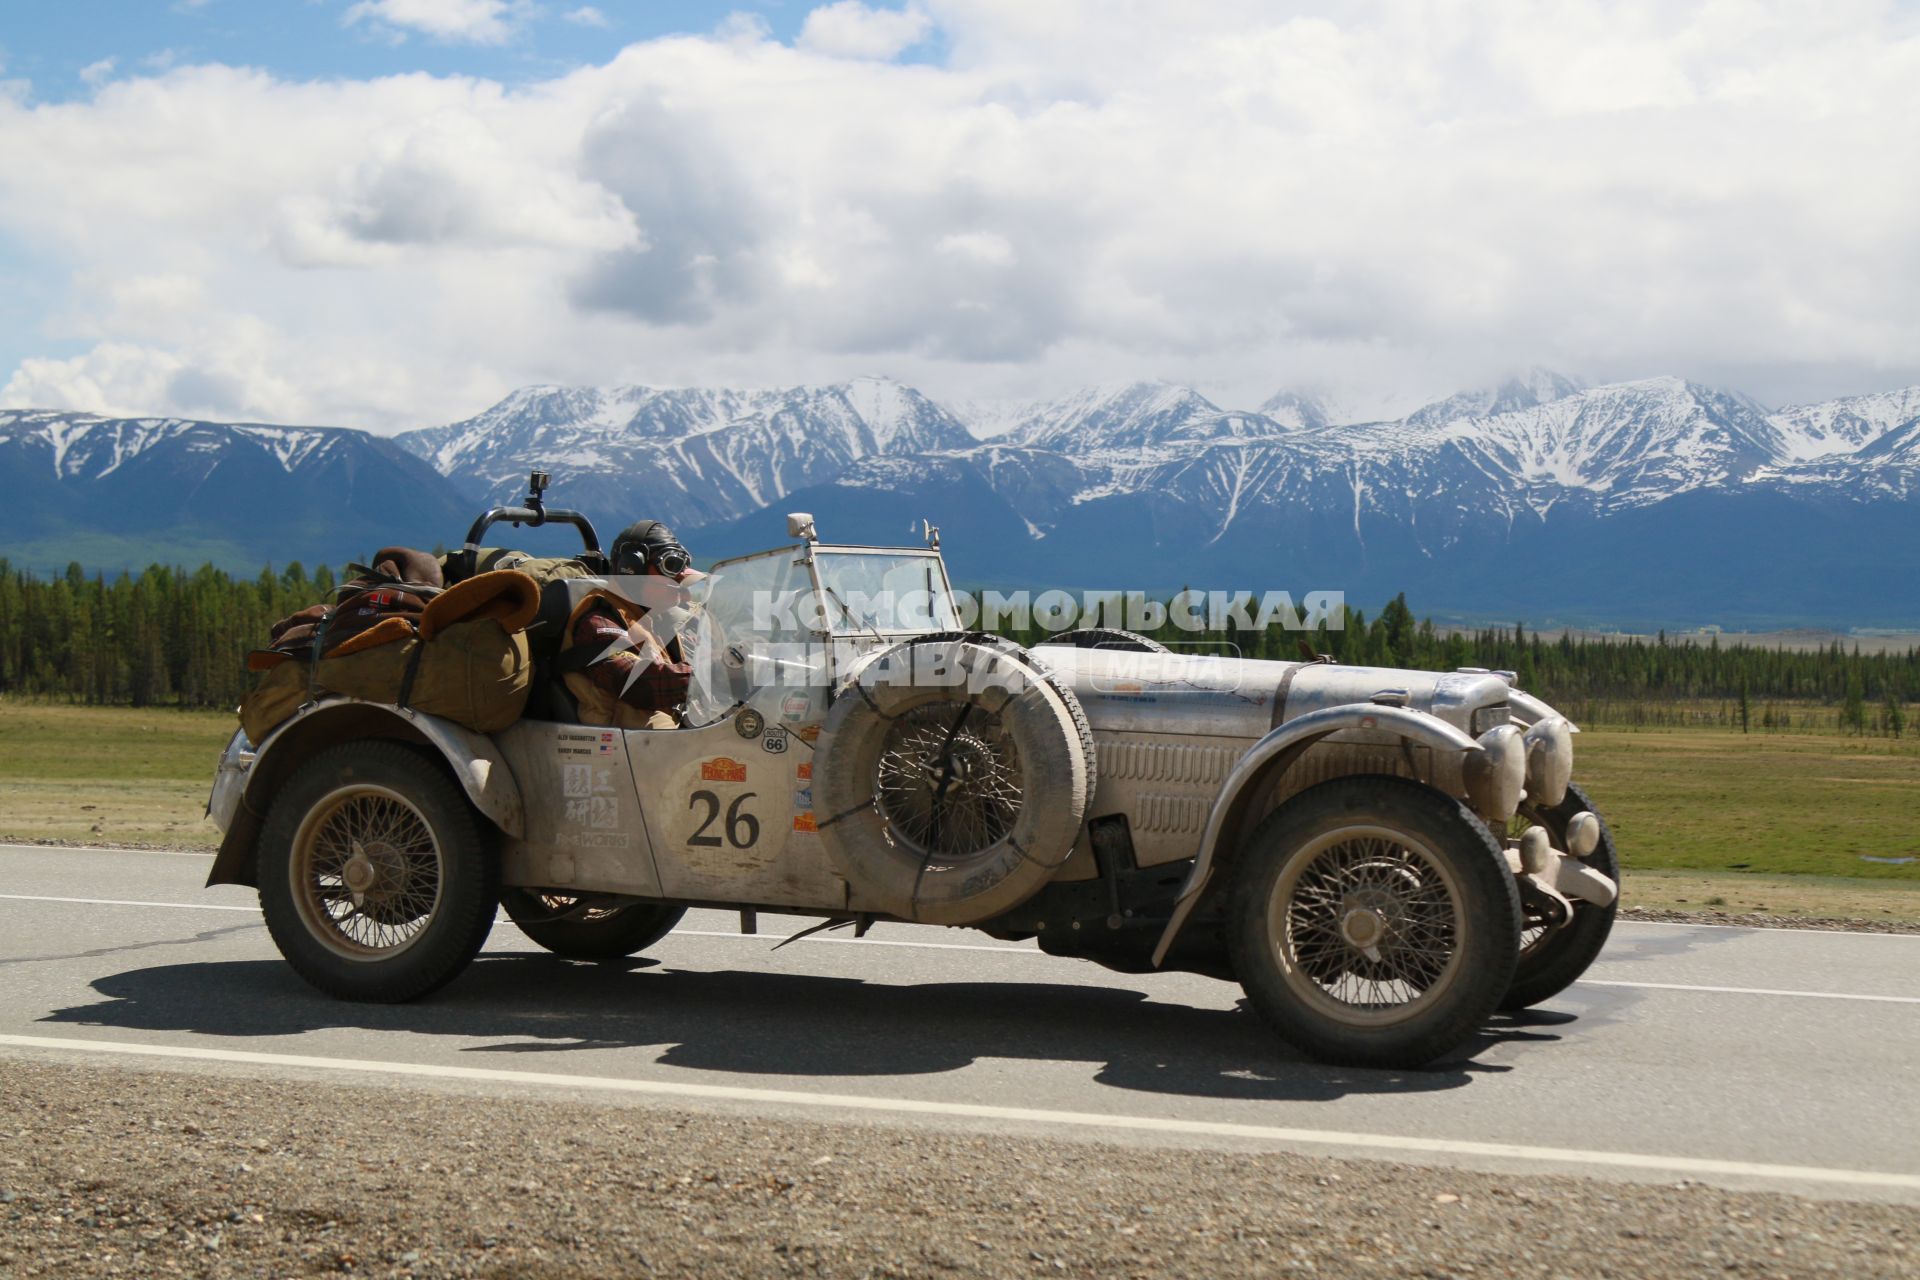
(743, 829)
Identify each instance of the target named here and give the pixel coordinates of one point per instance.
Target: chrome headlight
(1496, 774)
(1549, 761)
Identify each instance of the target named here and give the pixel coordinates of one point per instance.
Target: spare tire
(952, 780)
(1107, 638)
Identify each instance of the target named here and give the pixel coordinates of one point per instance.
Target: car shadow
(784, 1025)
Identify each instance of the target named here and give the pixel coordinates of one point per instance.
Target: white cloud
(1354, 197)
(587, 16)
(95, 74)
(984, 247)
(465, 21)
(850, 29)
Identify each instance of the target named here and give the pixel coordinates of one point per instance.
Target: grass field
(1704, 818)
(108, 773)
(1785, 804)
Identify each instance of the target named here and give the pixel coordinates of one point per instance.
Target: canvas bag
(467, 660)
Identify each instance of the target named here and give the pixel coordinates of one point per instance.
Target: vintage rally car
(1382, 859)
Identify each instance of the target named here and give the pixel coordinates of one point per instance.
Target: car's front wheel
(376, 880)
(570, 927)
(1373, 922)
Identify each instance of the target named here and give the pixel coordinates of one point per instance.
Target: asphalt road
(1746, 1058)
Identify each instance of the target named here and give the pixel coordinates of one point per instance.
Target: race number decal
(740, 828)
(722, 814)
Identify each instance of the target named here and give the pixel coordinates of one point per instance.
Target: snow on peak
(1297, 411)
(1846, 425)
(1523, 391)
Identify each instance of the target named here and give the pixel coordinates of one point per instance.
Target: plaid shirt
(661, 684)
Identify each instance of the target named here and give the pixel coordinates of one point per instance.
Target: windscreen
(885, 591)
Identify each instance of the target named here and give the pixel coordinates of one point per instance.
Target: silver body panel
(703, 815)
(1170, 728)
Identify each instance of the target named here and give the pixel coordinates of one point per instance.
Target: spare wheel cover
(951, 782)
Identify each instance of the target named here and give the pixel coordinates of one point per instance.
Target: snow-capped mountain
(689, 457)
(1535, 387)
(113, 493)
(1654, 501)
(1298, 411)
(1625, 444)
(1137, 418)
(1665, 497)
(1848, 425)
(989, 419)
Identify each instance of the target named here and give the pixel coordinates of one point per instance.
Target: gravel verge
(114, 1171)
(1768, 920)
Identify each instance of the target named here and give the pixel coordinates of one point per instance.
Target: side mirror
(800, 525)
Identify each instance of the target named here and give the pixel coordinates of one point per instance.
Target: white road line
(862, 942)
(974, 1111)
(1750, 991)
(203, 855)
(127, 902)
(1010, 951)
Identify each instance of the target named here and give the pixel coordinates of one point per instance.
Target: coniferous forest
(171, 637)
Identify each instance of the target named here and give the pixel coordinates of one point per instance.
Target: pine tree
(1853, 711)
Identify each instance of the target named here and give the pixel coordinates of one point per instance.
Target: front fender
(472, 758)
(1274, 755)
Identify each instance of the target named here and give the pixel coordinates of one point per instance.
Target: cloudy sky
(387, 213)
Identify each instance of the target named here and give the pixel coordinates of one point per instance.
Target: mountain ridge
(1147, 483)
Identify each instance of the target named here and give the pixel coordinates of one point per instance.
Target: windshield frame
(849, 628)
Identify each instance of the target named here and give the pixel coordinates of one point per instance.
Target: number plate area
(730, 815)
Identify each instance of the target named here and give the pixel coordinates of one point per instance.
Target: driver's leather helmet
(648, 546)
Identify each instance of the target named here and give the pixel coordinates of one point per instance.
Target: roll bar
(533, 514)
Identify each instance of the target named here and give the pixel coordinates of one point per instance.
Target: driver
(624, 663)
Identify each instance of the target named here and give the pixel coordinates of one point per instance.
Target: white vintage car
(1381, 858)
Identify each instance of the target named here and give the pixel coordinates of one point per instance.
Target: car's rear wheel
(376, 880)
(1551, 960)
(577, 929)
(1373, 922)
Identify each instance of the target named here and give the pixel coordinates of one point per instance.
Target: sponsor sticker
(803, 799)
(590, 840)
(795, 706)
(805, 771)
(723, 769)
(808, 733)
(775, 742)
(749, 723)
(805, 822)
(583, 744)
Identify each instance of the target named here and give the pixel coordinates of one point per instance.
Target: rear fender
(1272, 756)
(473, 760)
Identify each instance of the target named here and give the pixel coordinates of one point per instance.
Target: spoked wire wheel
(949, 781)
(585, 928)
(366, 871)
(1373, 922)
(377, 880)
(1367, 925)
